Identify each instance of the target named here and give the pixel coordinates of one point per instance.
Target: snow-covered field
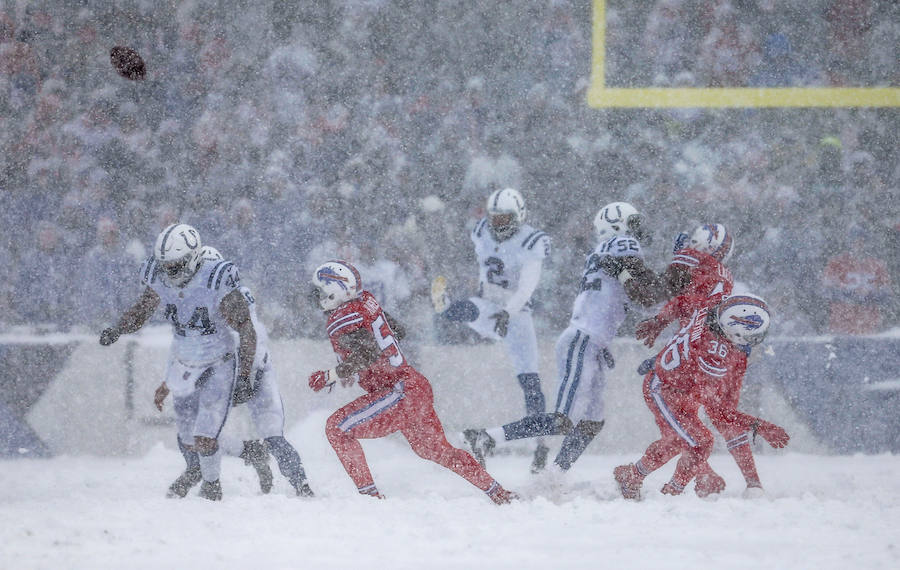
(88, 512)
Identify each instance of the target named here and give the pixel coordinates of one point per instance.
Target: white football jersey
(202, 334)
(599, 308)
(500, 263)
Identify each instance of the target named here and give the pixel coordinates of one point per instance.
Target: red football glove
(775, 435)
(321, 379)
(648, 330)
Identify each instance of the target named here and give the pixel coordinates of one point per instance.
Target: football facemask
(506, 213)
(177, 251)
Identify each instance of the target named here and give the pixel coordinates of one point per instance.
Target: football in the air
(128, 63)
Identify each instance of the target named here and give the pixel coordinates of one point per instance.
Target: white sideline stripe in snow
(883, 386)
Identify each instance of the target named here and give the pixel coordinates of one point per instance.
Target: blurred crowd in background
(292, 133)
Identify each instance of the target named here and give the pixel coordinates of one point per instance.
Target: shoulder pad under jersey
(369, 303)
(149, 272)
(347, 318)
(621, 246)
(535, 241)
(223, 276)
(688, 257)
(479, 228)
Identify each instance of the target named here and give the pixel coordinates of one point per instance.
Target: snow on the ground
(87, 512)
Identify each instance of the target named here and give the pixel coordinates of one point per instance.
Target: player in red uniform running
(698, 275)
(709, 352)
(398, 397)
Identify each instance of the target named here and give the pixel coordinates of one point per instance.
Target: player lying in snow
(703, 365)
(398, 398)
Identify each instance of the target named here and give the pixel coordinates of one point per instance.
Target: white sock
(210, 465)
(497, 434)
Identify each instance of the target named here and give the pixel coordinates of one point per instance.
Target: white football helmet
(177, 251)
(506, 213)
(209, 253)
(337, 282)
(713, 239)
(618, 218)
(744, 319)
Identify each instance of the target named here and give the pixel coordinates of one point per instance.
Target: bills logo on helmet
(328, 275)
(713, 234)
(750, 322)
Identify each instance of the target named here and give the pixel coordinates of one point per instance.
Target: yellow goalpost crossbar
(601, 96)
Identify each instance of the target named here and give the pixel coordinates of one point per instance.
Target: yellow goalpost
(601, 96)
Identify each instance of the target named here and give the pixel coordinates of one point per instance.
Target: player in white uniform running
(614, 275)
(510, 257)
(218, 358)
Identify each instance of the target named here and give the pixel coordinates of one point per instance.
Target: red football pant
(736, 427)
(408, 407)
(682, 431)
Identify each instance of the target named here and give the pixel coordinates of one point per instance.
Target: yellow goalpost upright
(601, 96)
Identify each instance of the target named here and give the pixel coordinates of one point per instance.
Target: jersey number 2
(495, 272)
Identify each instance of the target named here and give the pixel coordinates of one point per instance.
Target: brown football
(128, 63)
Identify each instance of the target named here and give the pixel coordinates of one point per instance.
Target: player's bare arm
(133, 318)
(363, 349)
(674, 280)
(396, 326)
(363, 352)
(236, 310)
(642, 285)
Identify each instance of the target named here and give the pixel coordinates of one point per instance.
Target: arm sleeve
(680, 306)
(528, 282)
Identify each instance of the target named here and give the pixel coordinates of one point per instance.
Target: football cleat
(707, 484)
(255, 455)
(439, 297)
(672, 488)
(481, 444)
(540, 459)
(211, 490)
(303, 489)
(754, 491)
(629, 481)
(180, 487)
(371, 491)
(501, 496)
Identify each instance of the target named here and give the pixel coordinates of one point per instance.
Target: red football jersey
(698, 360)
(710, 282)
(364, 312)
